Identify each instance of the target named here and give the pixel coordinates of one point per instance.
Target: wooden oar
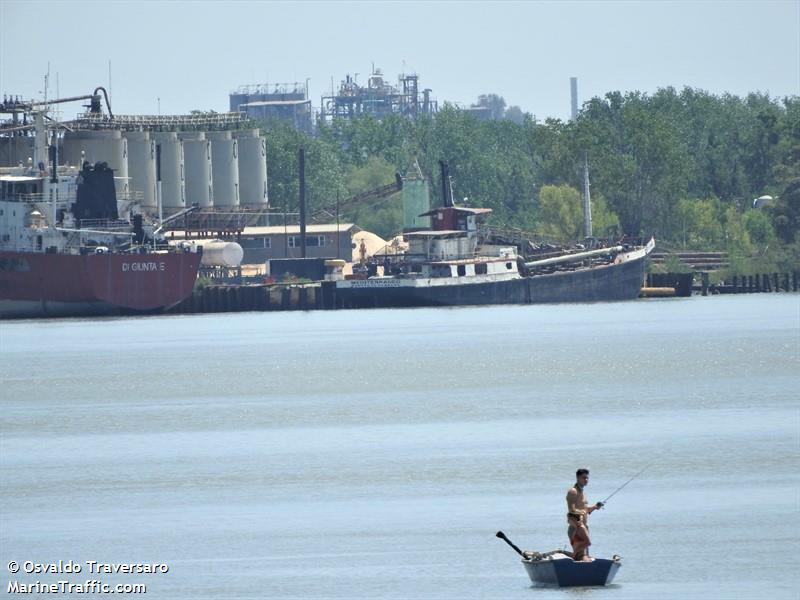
(503, 537)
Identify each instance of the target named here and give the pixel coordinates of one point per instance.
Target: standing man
(578, 511)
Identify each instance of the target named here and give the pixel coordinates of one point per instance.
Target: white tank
(225, 168)
(252, 168)
(142, 167)
(218, 253)
(197, 166)
(107, 146)
(173, 187)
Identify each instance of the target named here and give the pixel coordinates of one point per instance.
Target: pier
(750, 284)
(242, 298)
(321, 295)
(699, 269)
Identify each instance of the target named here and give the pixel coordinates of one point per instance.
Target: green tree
(759, 228)
(560, 213)
(701, 226)
(325, 167)
(383, 216)
(683, 165)
(515, 114)
(737, 240)
(785, 212)
(605, 221)
(638, 160)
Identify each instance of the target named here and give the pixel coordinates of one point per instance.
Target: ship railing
(42, 198)
(130, 196)
(110, 225)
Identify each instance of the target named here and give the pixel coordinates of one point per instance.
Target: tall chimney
(447, 189)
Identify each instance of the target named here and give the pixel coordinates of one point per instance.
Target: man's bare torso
(577, 504)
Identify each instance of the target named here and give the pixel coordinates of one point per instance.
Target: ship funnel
(447, 190)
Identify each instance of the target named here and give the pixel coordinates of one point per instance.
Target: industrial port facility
(377, 97)
(209, 169)
(197, 184)
(213, 161)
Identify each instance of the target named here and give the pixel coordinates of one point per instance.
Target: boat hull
(565, 572)
(39, 284)
(611, 282)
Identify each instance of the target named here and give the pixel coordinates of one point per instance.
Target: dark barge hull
(597, 284)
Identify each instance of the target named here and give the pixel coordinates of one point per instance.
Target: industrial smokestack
(573, 88)
(443, 171)
(447, 190)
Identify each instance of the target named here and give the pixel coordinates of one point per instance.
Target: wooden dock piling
(705, 282)
(239, 298)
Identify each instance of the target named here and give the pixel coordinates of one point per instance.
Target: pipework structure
(378, 98)
(287, 101)
(198, 121)
(210, 168)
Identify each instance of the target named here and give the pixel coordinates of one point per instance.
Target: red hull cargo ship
(64, 250)
(39, 284)
(65, 258)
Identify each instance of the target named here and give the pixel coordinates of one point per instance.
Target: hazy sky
(193, 54)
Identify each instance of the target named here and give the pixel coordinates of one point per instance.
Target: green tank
(416, 201)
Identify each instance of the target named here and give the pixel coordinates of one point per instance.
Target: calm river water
(374, 454)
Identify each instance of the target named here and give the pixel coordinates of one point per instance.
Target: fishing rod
(647, 466)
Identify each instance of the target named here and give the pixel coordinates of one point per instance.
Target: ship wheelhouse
(454, 235)
(450, 249)
(16, 188)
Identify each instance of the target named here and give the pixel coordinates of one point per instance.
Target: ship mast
(41, 160)
(587, 200)
(40, 141)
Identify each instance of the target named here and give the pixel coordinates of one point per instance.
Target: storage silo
(15, 150)
(197, 166)
(224, 168)
(142, 167)
(173, 187)
(108, 146)
(416, 200)
(237, 99)
(252, 168)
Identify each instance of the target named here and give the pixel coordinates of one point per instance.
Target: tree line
(683, 166)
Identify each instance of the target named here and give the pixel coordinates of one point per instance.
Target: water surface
(373, 454)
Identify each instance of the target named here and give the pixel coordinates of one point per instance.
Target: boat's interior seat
(553, 555)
